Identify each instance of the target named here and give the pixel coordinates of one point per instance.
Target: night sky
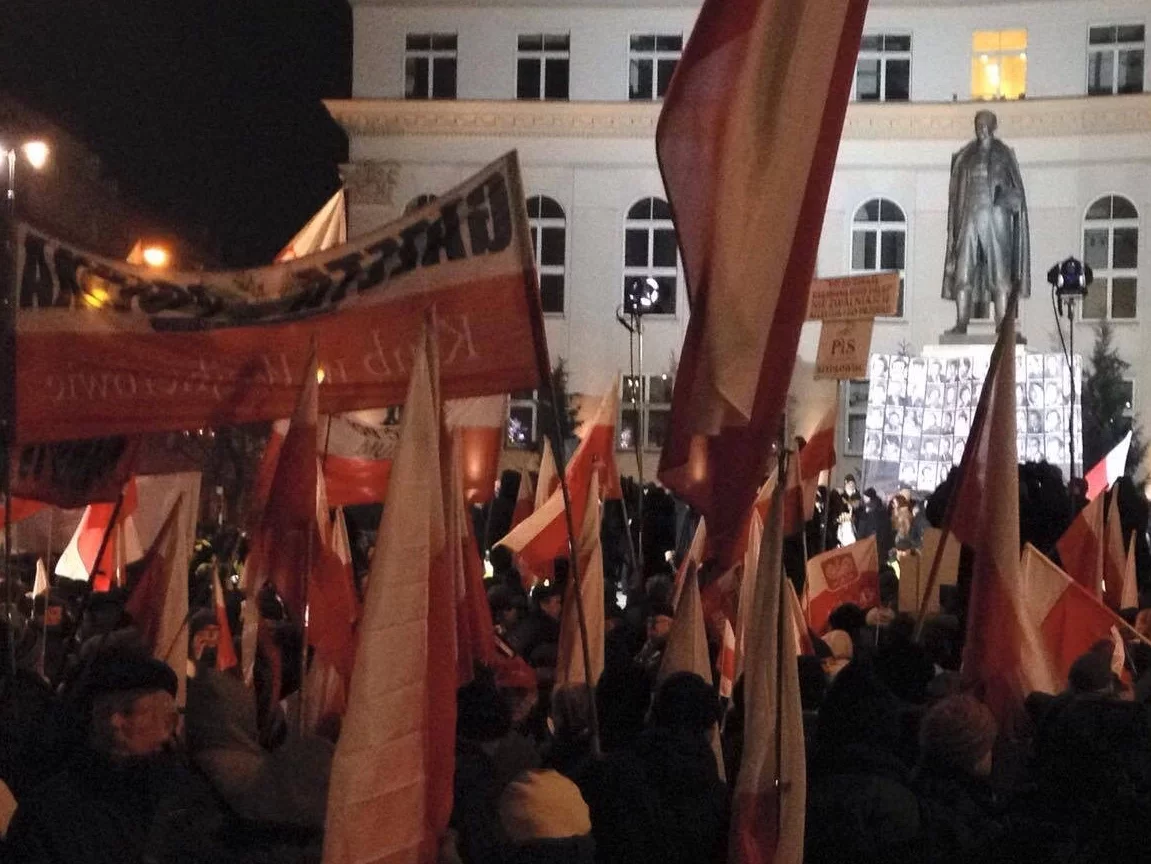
(206, 112)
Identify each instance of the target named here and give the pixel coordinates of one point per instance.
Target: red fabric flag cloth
(478, 424)
(1081, 548)
(1002, 657)
(476, 633)
(767, 821)
(226, 649)
(525, 499)
(284, 539)
(390, 795)
(1108, 470)
(543, 537)
(78, 561)
(1069, 619)
(158, 603)
(570, 668)
(846, 575)
(817, 456)
(757, 103)
(333, 607)
(1115, 588)
(22, 508)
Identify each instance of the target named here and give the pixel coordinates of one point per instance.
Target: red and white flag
(40, 586)
(569, 657)
(476, 633)
(281, 541)
(849, 574)
(121, 543)
(525, 499)
(326, 229)
(158, 603)
(481, 423)
(767, 821)
(1108, 469)
(803, 643)
(757, 102)
(540, 539)
(226, 649)
(727, 661)
(686, 649)
(1130, 596)
(1115, 588)
(1069, 619)
(1002, 656)
(548, 480)
(390, 794)
(1081, 548)
(816, 456)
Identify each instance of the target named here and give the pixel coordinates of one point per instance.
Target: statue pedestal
(978, 333)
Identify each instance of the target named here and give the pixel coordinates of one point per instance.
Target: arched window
(549, 239)
(1111, 249)
(418, 202)
(649, 252)
(879, 241)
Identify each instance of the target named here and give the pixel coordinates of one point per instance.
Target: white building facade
(441, 89)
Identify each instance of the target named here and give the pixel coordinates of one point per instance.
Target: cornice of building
(1025, 118)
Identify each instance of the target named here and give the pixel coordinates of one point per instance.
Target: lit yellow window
(998, 64)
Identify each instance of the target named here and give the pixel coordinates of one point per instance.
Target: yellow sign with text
(847, 298)
(843, 349)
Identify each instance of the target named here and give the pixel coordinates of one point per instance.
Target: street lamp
(36, 155)
(1069, 280)
(641, 297)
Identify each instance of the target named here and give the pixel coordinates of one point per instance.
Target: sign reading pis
(844, 347)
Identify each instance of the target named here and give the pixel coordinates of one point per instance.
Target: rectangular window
(651, 62)
(523, 408)
(430, 66)
(542, 66)
(1115, 59)
(644, 416)
(883, 70)
(856, 424)
(999, 64)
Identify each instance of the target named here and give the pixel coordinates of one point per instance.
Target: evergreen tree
(567, 415)
(1105, 401)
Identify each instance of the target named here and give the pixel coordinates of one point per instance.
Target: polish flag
(1108, 470)
(757, 102)
(570, 667)
(849, 574)
(525, 499)
(390, 796)
(481, 422)
(226, 649)
(693, 560)
(22, 508)
(1081, 548)
(78, 561)
(686, 649)
(749, 573)
(1002, 657)
(327, 229)
(1069, 619)
(767, 821)
(727, 661)
(547, 481)
(1115, 588)
(284, 540)
(543, 537)
(803, 643)
(815, 457)
(476, 634)
(40, 586)
(1130, 597)
(158, 603)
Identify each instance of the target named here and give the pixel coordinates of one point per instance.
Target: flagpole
(107, 536)
(47, 595)
(780, 492)
(981, 412)
(573, 568)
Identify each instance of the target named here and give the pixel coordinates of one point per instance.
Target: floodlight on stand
(1070, 278)
(36, 152)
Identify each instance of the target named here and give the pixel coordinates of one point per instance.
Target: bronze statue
(988, 241)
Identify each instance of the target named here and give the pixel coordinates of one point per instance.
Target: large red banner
(106, 348)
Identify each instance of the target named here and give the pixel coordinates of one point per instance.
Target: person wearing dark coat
(860, 806)
(125, 796)
(959, 823)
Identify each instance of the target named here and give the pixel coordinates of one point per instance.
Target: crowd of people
(98, 763)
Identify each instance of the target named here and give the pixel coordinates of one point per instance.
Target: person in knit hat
(956, 739)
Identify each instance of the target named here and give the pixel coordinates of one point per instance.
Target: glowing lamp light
(156, 256)
(320, 374)
(36, 152)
